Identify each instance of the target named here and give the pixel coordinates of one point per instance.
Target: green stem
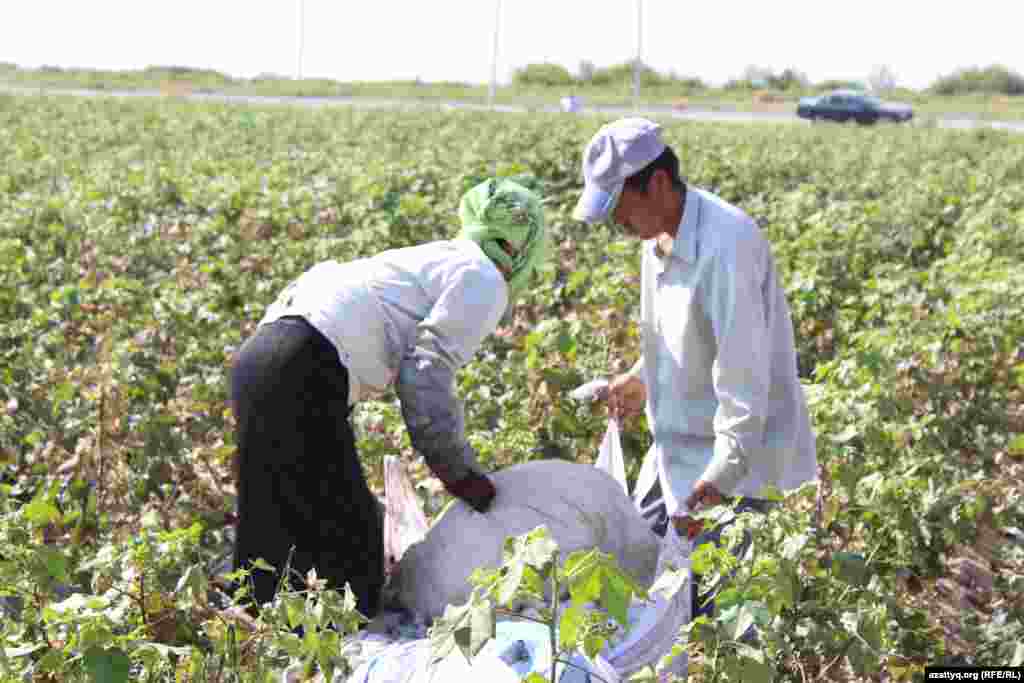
(515, 615)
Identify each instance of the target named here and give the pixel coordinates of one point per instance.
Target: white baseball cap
(617, 151)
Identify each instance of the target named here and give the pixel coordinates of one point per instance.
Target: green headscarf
(501, 209)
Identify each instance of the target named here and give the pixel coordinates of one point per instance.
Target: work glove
(475, 489)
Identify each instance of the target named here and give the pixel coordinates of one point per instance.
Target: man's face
(642, 214)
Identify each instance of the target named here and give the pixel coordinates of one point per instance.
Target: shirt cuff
(727, 468)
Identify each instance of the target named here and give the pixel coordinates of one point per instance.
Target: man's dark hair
(668, 161)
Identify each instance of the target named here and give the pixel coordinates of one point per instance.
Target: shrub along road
(692, 114)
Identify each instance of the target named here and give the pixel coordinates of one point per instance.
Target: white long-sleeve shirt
(446, 295)
(719, 361)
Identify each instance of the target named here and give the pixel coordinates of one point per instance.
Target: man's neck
(666, 239)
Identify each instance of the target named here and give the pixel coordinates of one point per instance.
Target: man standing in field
(718, 366)
(407, 318)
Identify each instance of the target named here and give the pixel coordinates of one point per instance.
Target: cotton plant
(597, 587)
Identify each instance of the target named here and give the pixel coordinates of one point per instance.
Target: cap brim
(596, 203)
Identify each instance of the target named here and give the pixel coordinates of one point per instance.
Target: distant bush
(760, 79)
(838, 85)
(738, 84)
(788, 79)
(687, 84)
(184, 71)
(623, 73)
(453, 84)
(993, 80)
(543, 74)
(269, 77)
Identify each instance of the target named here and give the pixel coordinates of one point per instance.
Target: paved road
(694, 114)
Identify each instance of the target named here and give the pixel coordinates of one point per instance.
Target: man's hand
(626, 396)
(704, 495)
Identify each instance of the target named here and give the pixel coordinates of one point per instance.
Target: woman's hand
(475, 489)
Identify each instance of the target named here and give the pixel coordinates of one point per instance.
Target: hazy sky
(451, 39)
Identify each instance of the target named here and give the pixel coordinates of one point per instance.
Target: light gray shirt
(409, 318)
(446, 295)
(719, 361)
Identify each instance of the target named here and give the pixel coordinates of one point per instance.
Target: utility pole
(300, 31)
(492, 91)
(494, 56)
(639, 55)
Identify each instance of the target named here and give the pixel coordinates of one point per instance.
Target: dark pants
(653, 509)
(300, 481)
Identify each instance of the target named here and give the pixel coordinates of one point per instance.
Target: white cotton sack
(656, 628)
(582, 507)
(404, 521)
(609, 456)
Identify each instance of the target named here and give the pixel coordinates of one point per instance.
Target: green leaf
(749, 666)
(846, 435)
(792, 546)
(466, 627)
(479, 629)
(616, 597)
(572, 621)
(63, 393)
(72, 604)
(851, 568)
(566, 342)
(678, 650)
(263, 565)
(295, 608)
(23, 650)
(538, 549)
(787, 583)
(55, 562)
(535, 677)
(576, 280)
(752, 671)
(772, 493)
(41, 511)
(863, 661)
(744, 620)
(330, 646)
(532, 584)
(593, 643)
(509, 585)
(1016, 447)
(578, 561)
(107, 666)
(586, 585)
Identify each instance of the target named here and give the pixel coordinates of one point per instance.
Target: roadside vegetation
(991, 93)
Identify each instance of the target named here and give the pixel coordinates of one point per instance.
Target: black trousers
(300, 481)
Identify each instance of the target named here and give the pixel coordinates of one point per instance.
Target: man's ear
(661, 180)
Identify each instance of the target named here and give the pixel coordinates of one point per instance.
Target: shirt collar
(684, 246)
